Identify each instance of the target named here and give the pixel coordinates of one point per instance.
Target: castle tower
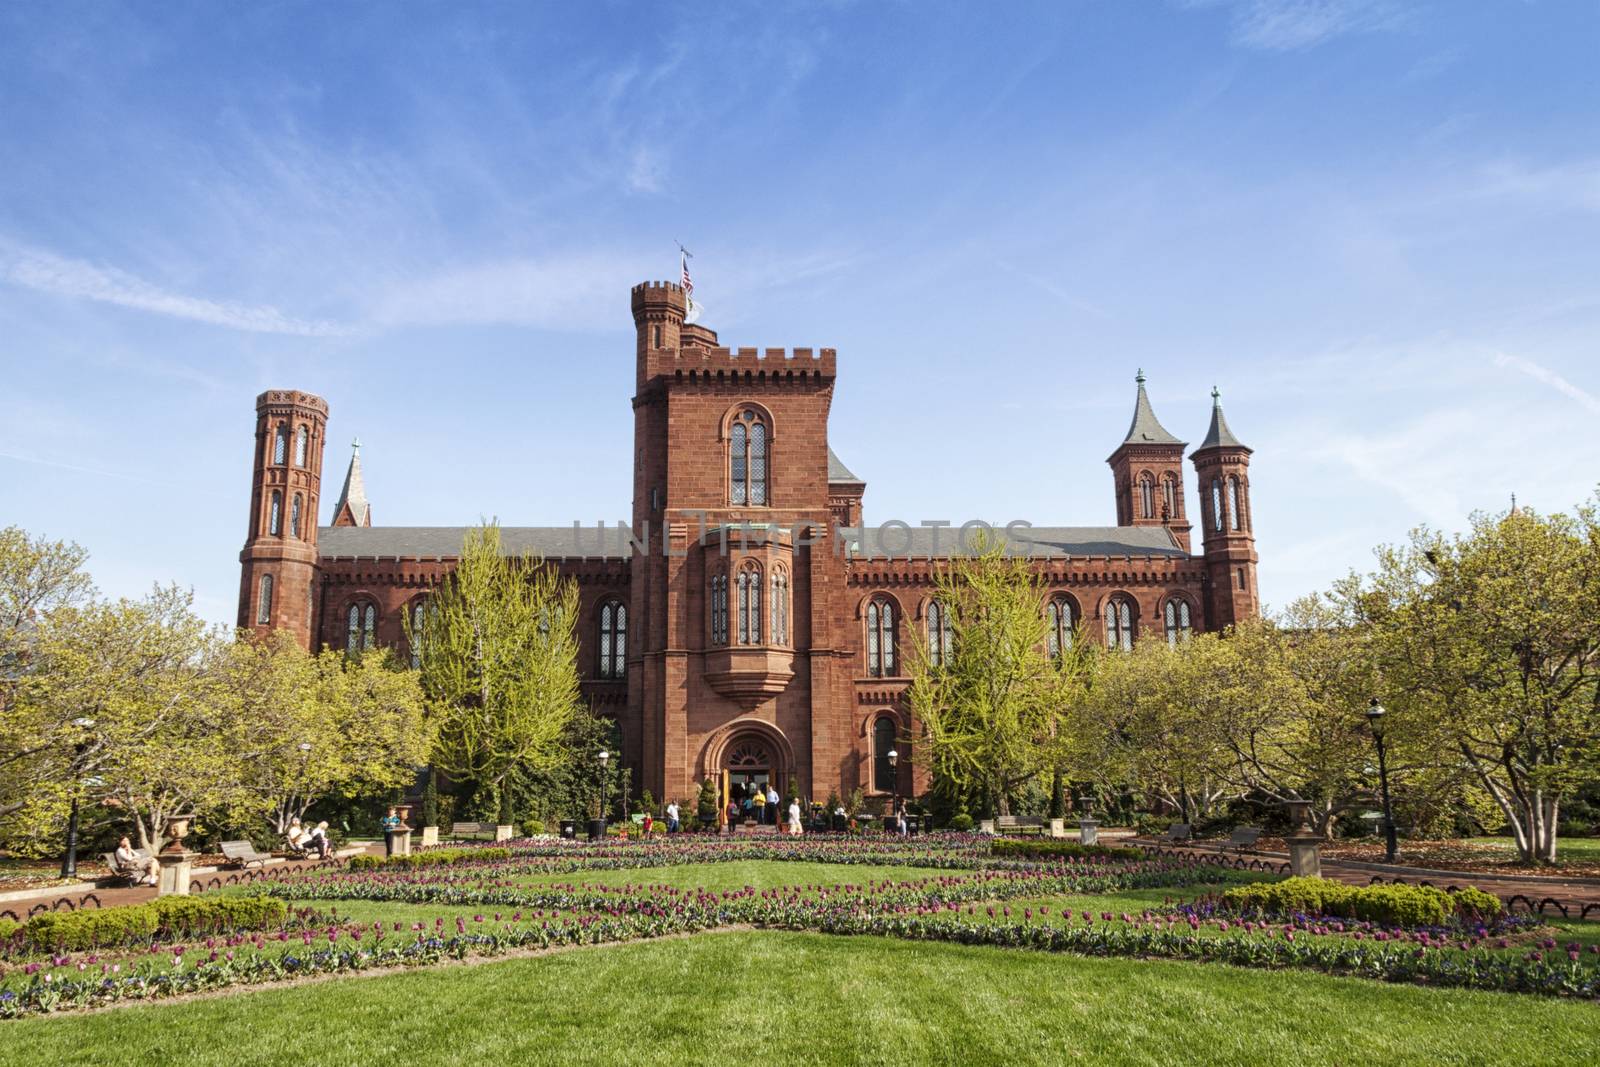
(279, 560)
(1223, 464)
(1148, 471)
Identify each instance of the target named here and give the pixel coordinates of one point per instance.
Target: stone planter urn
(404, 811)
(1088, 825)
(176, 861)
(1305, 844)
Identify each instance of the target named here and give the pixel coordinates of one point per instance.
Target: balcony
(749, 675)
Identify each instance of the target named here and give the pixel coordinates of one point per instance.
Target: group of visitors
(760, 805)
(306, 842)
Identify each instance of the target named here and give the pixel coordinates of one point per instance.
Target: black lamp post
(69, 862)
(894, 787)
(605, 761)
(1375, 723)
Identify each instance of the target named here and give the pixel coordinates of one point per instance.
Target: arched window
(1218, 512)
(940, 635)
(749, 582)
(613, 639)
(1147, 496)
(1058, 613)
(294, 516)
(361, 627)
(300, 447)
(1169, 495)
(880, 638)
(1119, 624)
(280, 447)
(418, 613)
(747, 459)
(1178, 622)
(719, 610)
(780, 606)
(1233, 502)
(882, 744)
(264, 603)
(275, 514)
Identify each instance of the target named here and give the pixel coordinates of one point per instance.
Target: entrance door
(749, 769)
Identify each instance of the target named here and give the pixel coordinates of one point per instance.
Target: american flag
(688, 282)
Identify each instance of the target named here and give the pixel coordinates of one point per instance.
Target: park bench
(120, 875)
(1178, 831)
(1243, 837)
(463, 829)
(1019, 824)
(243, 854)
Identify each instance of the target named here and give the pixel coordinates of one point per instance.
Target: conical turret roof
(1146, 429)
(352, 508)
(1219, 436)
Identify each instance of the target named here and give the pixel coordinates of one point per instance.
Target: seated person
(317, 839)
(144, 870)
(296, 836)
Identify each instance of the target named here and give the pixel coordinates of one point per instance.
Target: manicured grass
(812, 999)
(1568, 849)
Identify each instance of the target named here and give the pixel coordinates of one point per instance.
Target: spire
(1219, 436)
(352, 508)
(1146, 429)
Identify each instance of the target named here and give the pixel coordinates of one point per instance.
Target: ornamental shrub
(173, 916)
(1049, 849)
(961, 822)
(8, 929)
(436, 857)
(1474, 903)
(1390, 905)
(532, 827)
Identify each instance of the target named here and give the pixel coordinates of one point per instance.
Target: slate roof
(1035, 542)
(838, 472)
(1146, 429)
(354, 492)
(550, 542)
(1219, 436)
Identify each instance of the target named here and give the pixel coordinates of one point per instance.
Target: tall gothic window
(882, 745)
(275, 514)
(1233, 501)
(361, 626)
(300, 447)
(1119, 624)
(294, 516)
(747, 459)
(1218, 510)
(280, 447)
(1058, 613)
(780, 606)
(418, 613)
(613, 639)
(719, 610)
(1147, 496)
(880, 638)
(749, 582)
(939, 634)
(1178, 623)
(264, 603)
(1169, 495)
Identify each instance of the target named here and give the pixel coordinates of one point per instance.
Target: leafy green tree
(498, 662)
(992, 713)
(1492, 637)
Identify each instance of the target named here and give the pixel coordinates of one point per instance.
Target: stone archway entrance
(751, 765)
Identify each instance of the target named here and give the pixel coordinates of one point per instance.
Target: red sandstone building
(753, 621)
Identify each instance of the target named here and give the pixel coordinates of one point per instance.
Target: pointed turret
(1148, 471)
(352, 508)
(1219, 436)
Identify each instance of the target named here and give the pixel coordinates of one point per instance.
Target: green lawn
(1568, 849)
(826, 1000)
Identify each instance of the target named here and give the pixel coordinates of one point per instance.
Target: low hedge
(1048, 849)
(168, 917)
(437, 857)
(1390, 905)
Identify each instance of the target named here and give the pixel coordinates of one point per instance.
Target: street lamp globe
(894, 757)
(605, 757)
(1375, 715)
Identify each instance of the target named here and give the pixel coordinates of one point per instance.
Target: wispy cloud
(47, 272)
(561, 292)
(1286, 25)
(1550, 378)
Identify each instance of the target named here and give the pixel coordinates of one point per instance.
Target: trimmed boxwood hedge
(438, 857)
(174, 916)
(1390, 905)
(1048, 849)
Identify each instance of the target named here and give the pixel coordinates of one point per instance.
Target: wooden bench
(462, 829)
(120, 875)
(1019, 824)
(1178, 831)
(243, 854)
(1243, 837)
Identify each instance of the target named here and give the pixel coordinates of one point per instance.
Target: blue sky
(1375, 225)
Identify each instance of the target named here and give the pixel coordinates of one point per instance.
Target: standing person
(773, 806)
(390, 823)
(758, 805)
(794, 816)
(672, 817)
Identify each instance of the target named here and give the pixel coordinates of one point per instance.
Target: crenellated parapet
(748, 364)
